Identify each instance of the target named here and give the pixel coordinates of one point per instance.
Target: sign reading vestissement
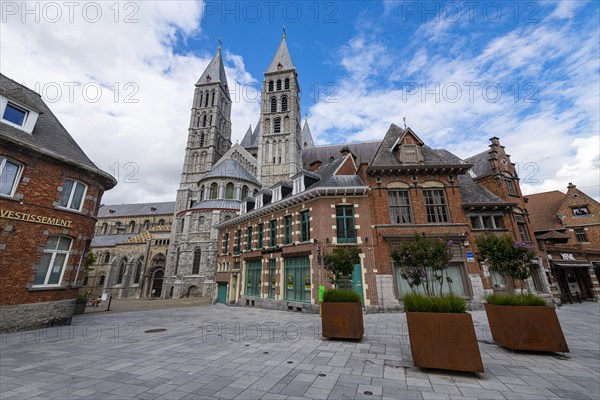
(40, 219)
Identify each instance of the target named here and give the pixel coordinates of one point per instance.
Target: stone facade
(48, 206)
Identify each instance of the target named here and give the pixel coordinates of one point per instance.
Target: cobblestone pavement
(221, 352)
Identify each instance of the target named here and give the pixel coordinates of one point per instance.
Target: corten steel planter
(79, 307)
(533, 328)
(444, 341)
(342, 320)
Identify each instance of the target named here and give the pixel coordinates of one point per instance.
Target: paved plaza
(221, 352)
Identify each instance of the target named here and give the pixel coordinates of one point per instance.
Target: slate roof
(131, 210)
(481, 163)
(473, 193)
(282, 56)
(216, 70)
(229, 168)
(217, 204)
(543, 208)
(109, 240)
(249, 141)
(49, 136)
(329, 180)
(307, 136)
(364, 152)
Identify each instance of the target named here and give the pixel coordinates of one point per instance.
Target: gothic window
(210, 120)
(138, 271)
(206, 100)
(270, 86)
(101, 280)
(202, 139)
(132, 227)
(200, 223)
(201, 192)
(244, 192)
(196, 261)
(197, 124)
(267, 125)
(195, 162)
(278, 84)
(177, 256)
(182, 225)
(204, 121)
(277, 125)
(214, 189)
(286, 84)
(104, 228)
(106, 257)
(212, 101)
(273, 104)
(146, 225)
(284, 103)
(229, 191)
(121, 273)
(161, 222)
(201, 99)
(286, 124)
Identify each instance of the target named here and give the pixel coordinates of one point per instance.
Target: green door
(222, 294)
(357, 282)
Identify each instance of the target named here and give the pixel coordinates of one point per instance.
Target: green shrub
(340, 296)
(414, 302)
(515, 300)
(80, 297)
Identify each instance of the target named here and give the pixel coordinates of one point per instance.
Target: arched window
(161, 222)
(177, 255)
(196, 262)
(277, 125)
(206, 100)
(201, 192)
(227, 217)
(121, 274)
(278, 84)
(138, 270)
(118, 228)
(270, 86)
(210, 120)
(106, 257)
(101, 280)
(132, 227)
(284, 103)
(244, 192)
(202, 139)
(104, 230)
(214, 191)
(182, 225)
(204, 121)
(212, 102)
(201, 99)
(229, 191)
(286, 83)
(200, 223)
(85, 281)
(273, 104)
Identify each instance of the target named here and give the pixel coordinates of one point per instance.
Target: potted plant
(518, 322)
(440, 330)
(80, 303)
(81, 298)
(341, 309)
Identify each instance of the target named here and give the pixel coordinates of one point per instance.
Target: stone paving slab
(221, 352)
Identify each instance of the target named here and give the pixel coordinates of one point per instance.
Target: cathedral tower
(280, 144)
(209, 133)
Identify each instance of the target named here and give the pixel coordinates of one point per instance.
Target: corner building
(50, 193)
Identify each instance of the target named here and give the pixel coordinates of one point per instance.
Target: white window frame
(482, 227)
(3, 161)
(72, 194)
(18, 107)
(54, 253)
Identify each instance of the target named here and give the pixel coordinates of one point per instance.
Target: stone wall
(22, 317)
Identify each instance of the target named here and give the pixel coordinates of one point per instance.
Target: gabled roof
(543, 209)
(247, 140)
(49, 136)
(216, 71)
(364, 152)
(307, 136)
(474, 194)
(481, 164)
(229, 168)
(282, 56)
(136, 209)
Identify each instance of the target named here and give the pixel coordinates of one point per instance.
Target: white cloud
(135, 59)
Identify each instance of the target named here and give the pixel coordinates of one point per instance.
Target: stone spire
(215, 72)
(307, 140)
(282, 60)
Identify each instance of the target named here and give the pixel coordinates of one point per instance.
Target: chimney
(571, 186)
(315, 165)
(345, 150)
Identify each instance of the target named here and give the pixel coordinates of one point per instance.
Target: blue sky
(460, 72)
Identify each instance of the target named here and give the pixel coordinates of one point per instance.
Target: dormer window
(410, 153)
(298, 185)
(15, 114)
(259, 201)
(276, 194)
(208, 78)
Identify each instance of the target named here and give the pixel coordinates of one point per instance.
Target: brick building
(381, 193)
(130, 245)
(50, 193)
(567, 229)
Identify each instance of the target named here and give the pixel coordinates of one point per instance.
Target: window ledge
(45, 288)
(7, 197)
(68, 210)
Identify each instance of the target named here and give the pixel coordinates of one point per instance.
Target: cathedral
(218, 176)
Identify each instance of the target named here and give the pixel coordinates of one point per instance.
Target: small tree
(341, 261)
(511, 259)
(422, 263)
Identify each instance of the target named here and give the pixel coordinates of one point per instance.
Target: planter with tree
(341, 309)
(81, 298)
(441, 332)
(518, 321)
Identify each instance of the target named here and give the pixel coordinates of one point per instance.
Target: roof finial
(305, 117)
(404, 119)
(284, 35)
(220, 43)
